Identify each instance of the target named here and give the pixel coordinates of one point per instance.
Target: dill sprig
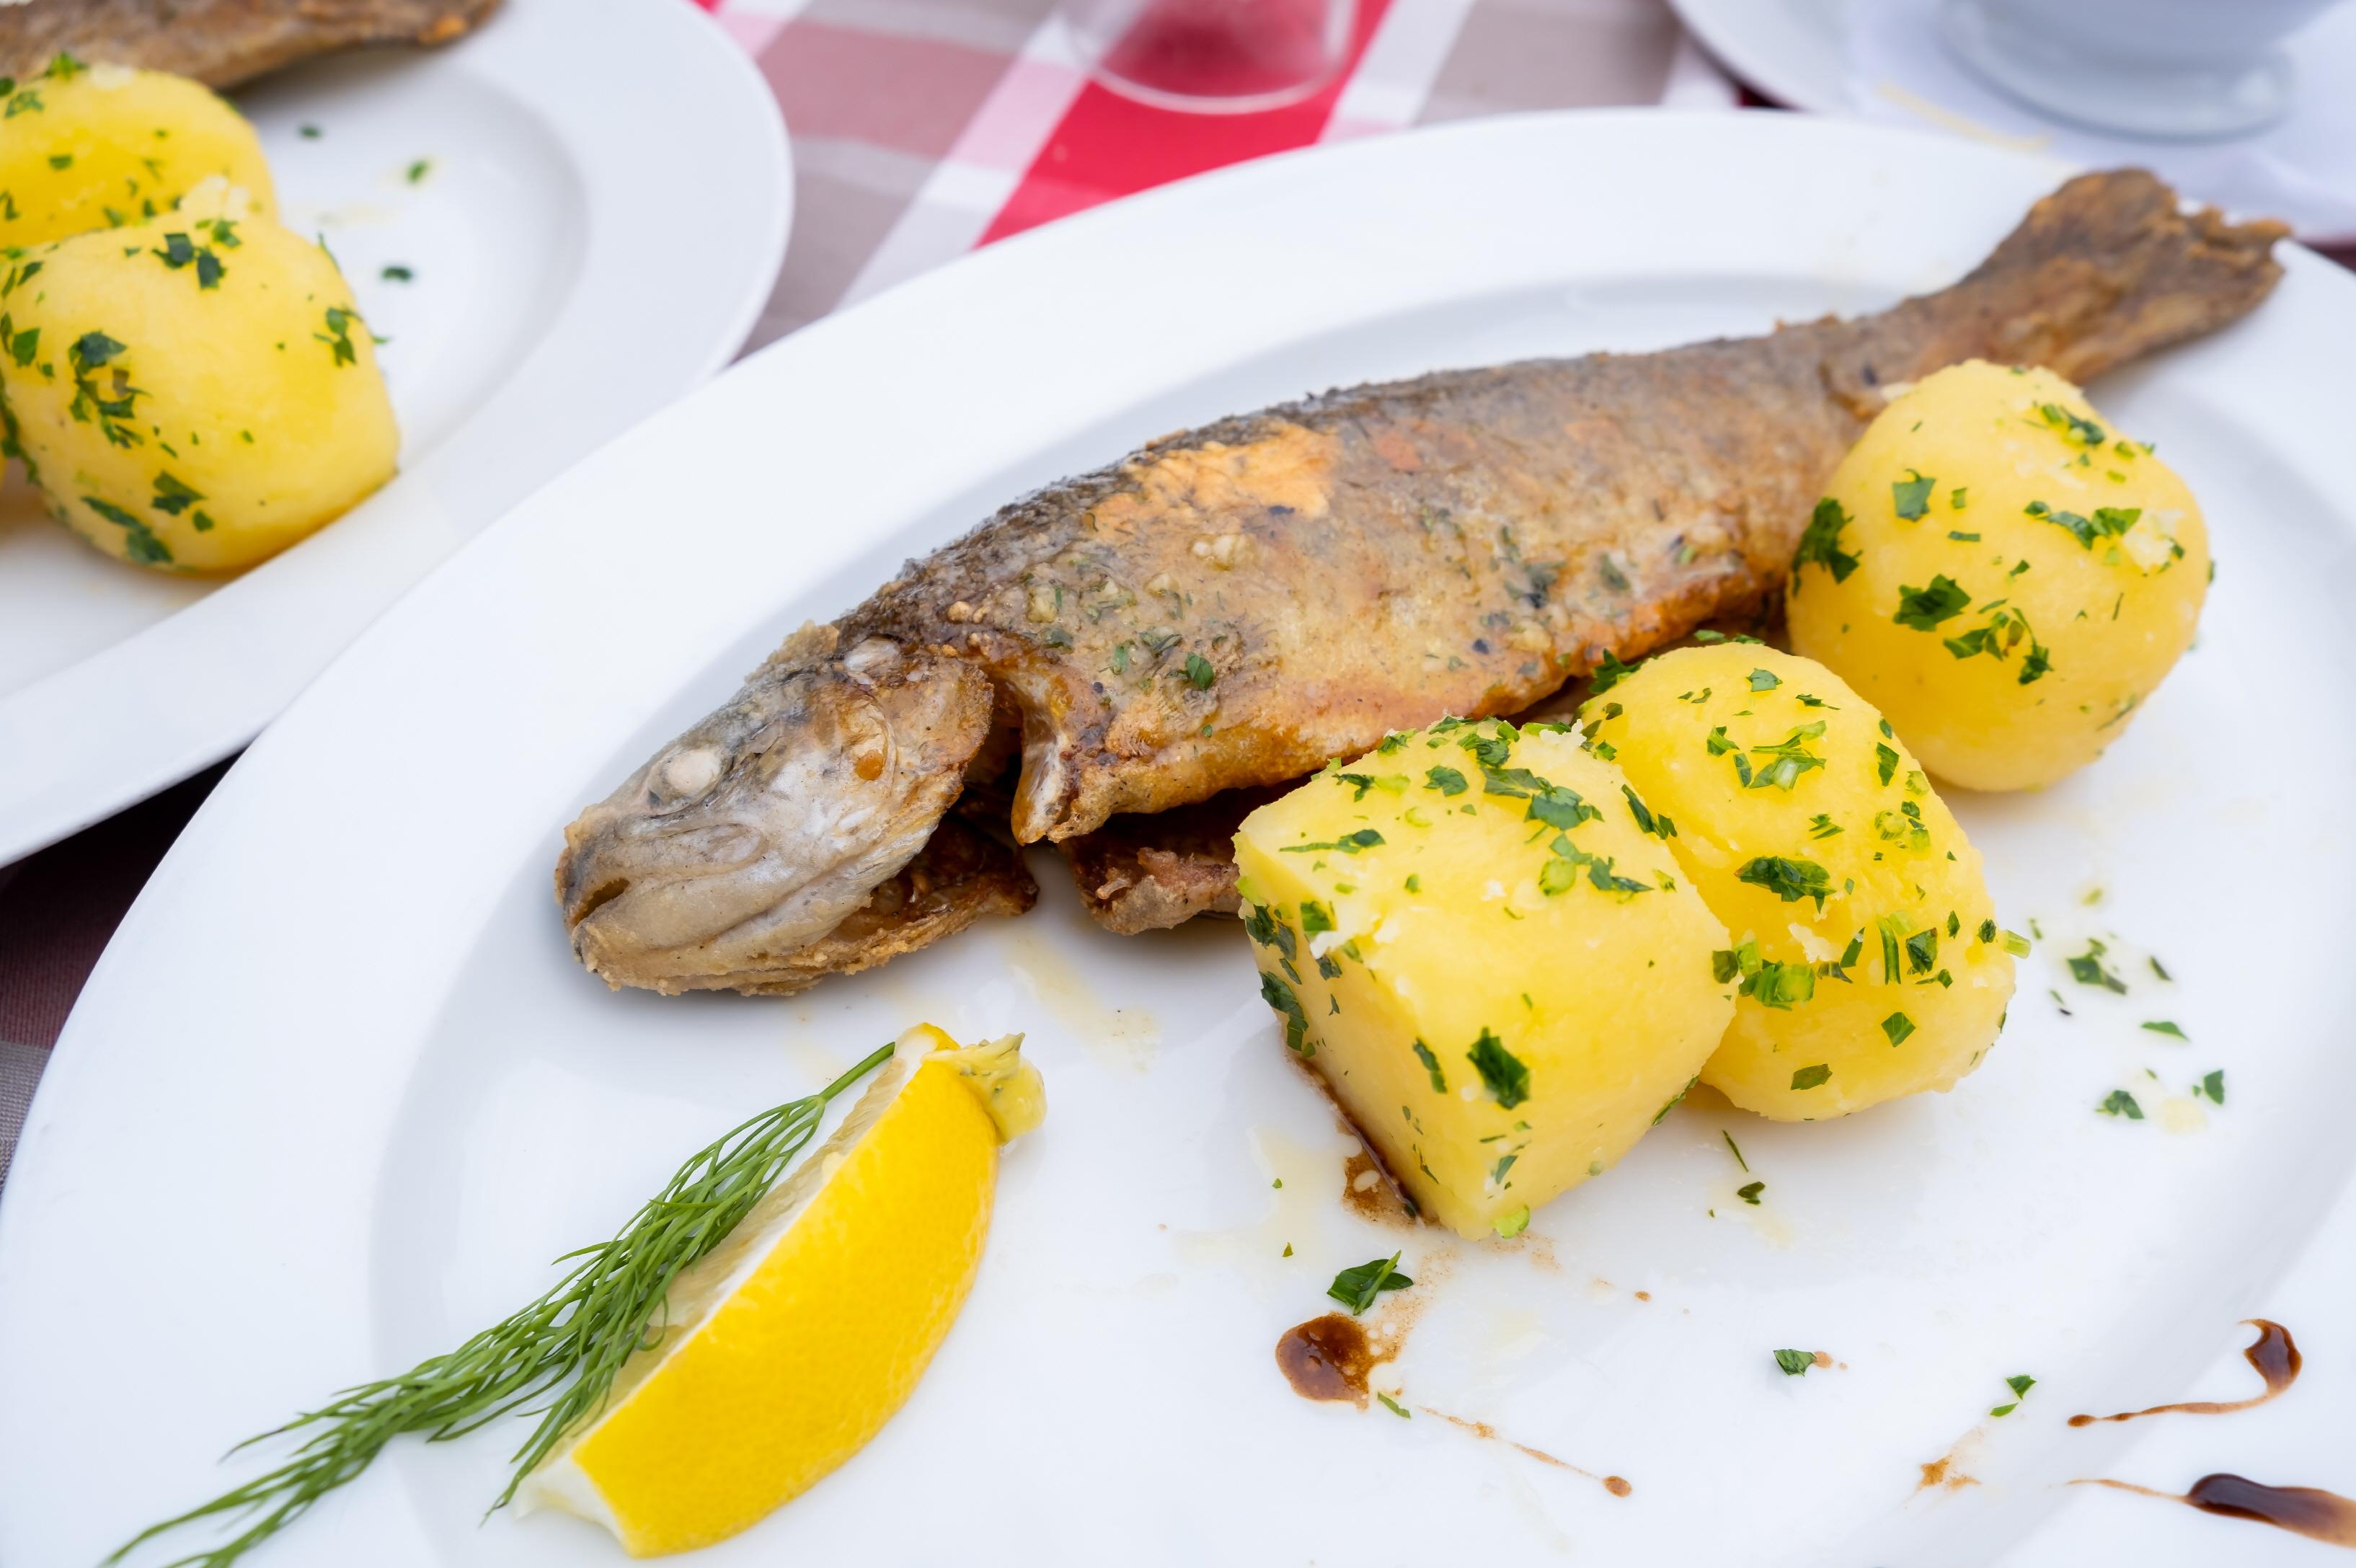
(583, 1328)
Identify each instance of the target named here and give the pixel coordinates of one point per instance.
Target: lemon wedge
(791, 1345)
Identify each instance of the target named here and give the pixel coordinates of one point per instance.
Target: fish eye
(682, 777)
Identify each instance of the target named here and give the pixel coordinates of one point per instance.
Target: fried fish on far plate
(219, 42)
(1231, 607)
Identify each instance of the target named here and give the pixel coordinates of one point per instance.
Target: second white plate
(602, 208)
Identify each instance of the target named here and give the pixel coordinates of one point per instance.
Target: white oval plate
(337, 1090)
(604, 208)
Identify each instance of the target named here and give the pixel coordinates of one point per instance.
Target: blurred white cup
(2176, 69)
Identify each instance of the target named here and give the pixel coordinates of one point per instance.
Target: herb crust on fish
(1233, 606)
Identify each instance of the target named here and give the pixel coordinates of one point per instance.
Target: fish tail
(2108, 267)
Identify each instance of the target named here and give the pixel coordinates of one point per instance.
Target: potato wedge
(1502, 979)
(1865, 960)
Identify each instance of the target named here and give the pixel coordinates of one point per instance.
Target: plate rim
(94, 783)
(120, 989)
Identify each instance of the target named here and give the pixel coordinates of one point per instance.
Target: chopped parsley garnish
(1280, 996)
(1314, 917)
(1898, 1026)
(2162, 1026)
(1749, 1192)
(1389, 783)
(1348, 843)
(1510, 1225)
(1393, 1405)
(1764, 680)
(1885, 761)
(1357, 1288)
(140, 542)
(1792, 758)
(397, 273)
(1922, 952)
(22, 346)
(1199, 673)
(1789, 878)
(179, 251)
(2119, 1103)
(1923, 609)
(1822, 826)
(1446, 780)
(1557, 807)
(418, 171)
(1735, 1149)
(2088, 969)
(1795, 1363)
(339, 335)
(1820, 543)
(1769, 981)
(1658, 825)
(2083, 430)
(1430, 1065)
(1911, 498)
(1506, 1075)
(1810, 1076)
(2214, 1085)
(308, 133)
(2020, 1384)
(1607, 674)
(172, 496)
(1671, 1104)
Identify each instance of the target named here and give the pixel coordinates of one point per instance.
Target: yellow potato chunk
(2004, 574)
(85, 147)
(193, 394)
(1866, 962)
(1502, 979)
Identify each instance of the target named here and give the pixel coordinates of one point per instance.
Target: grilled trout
(1229, 607)
(219, 42)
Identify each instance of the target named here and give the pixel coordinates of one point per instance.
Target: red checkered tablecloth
(921, 129)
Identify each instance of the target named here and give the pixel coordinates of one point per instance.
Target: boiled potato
(85, 147)
(2002, 573)
(1503, 982)
(193, 394)
(1865, 960)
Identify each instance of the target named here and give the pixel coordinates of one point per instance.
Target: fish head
(762, 828)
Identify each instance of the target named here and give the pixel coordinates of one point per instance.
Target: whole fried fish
(1231, 607)
(219, 42)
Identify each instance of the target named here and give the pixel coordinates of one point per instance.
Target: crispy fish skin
(1231, 607)
(219, 42)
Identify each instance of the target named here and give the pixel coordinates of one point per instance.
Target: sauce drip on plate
(2275, 1357)
(2303, 1511)
(1328, 1358)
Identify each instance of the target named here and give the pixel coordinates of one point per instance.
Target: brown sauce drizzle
(2273, 1355)
(2303, 1511)
(1328, 1358)
(1616, 1484)
(1943, 1473)
(1378, 1199)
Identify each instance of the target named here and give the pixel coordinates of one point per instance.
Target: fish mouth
(741, 845)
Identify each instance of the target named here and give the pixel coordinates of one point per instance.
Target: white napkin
(2302, 169)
